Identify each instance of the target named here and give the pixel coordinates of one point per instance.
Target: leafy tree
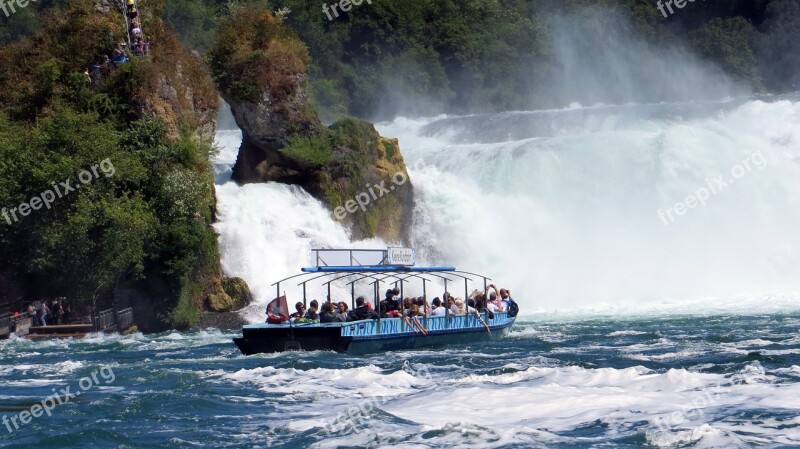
(729, 43)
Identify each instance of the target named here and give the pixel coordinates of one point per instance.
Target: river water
(556, 381)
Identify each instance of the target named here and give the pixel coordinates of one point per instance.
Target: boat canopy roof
(376, 269)
(391, 265)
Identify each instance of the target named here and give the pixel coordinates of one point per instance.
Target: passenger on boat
(438, 309)
(341, 312)
(313, 305)
(509, 304)
(407, 303)
(459, 305)
(475, 299)
(327, 315)
(428, 308)
(480, 302)
(390, 309)
(388, 302)
(424, 309)
(494, 304)
(328, 301)
(362, 312)
(413, 313)
(397, 300)
(301, 311)
(388, 313)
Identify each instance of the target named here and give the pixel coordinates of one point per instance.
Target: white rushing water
(563, 206)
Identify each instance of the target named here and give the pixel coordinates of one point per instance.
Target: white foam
(570, 221)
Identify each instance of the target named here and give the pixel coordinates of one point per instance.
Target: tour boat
(392, 267)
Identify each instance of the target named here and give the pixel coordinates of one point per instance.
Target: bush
(309, 152)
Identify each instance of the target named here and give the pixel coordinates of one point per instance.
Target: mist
(600, 59)
(592, 56)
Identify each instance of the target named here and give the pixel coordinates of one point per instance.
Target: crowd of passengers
(410, 309)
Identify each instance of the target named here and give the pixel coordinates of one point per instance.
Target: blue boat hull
(405, 342)
(368, 336)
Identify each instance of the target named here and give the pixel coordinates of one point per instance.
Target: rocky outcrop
(179, 89)
(267, 124)
(233, 294)
(238, 290)
(260, 67)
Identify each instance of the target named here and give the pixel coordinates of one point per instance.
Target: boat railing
(389, 326)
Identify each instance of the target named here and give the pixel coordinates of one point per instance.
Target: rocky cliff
(141, 235)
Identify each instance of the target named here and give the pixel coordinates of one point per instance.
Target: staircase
(123, 6)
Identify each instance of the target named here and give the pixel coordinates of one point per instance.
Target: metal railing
(124, 318)
(104, 320)
(5, 324)
(22, 324)
(348, 257)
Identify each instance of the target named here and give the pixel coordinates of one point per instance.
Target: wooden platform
(60, 331)
(42, 336)
(106, 321)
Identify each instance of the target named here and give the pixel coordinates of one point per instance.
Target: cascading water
(267, 231)
(563, 206)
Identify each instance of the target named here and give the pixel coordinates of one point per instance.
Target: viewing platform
(107, 321)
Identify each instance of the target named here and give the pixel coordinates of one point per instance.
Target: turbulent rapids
(712, 381)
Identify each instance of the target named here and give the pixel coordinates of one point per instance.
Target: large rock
(260, 67)
(238, 290)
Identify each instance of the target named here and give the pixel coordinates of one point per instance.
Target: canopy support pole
(425, 302)
(377, 309)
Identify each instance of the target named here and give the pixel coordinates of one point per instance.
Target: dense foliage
(142, 219)
(427, 56)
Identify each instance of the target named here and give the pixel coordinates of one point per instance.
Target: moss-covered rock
(238, 290)
(260, 67)
(220, 302)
